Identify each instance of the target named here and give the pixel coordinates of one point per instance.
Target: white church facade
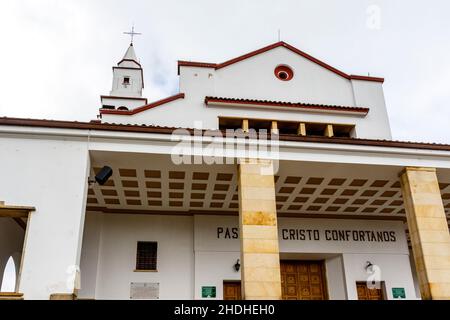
(269, 176)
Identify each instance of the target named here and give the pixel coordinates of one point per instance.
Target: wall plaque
(144, 290)
(208, 292)
(398, 293)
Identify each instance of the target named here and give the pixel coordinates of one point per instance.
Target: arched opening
(9, 276)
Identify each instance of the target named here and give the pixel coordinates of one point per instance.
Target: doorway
(232, 290)
(300, 280)
(303, 280)
(366, 293)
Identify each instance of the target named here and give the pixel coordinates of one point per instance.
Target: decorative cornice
(95, 125)
(287, 105)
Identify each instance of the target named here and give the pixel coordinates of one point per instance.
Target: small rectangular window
(315, 129)
(230, 123)
(343, 131)
(146, 257)
(126, 80)
(286, 127)
(108, 107)
(260, 125)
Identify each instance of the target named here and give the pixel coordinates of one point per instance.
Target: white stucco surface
(336, 285)
(254, 78)
(345, 261)
(50, 175)
(395, 273)
(201, 251)
(109, 255)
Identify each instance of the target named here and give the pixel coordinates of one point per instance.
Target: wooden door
(232, 290)
(364, 293)
(302, 280)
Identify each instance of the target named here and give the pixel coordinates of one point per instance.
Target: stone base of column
(11, 296)
(63, 296)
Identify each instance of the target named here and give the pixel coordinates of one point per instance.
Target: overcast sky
(56, 55)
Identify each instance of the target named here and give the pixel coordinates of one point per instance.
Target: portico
(308, 198)
(151, 185)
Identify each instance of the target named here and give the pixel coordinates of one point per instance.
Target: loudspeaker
(103, 175)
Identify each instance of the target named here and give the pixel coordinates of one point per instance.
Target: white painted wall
(254, 79)
(51, 175)
(90, 255)
(414, 275)
(214, 261)
(329, 246)
(115, 249)
(213, 268)
(344, 261)
(335, 278)
(206, 235)
(395, 272)
(190, 255)
(134, 89)
(370, 94)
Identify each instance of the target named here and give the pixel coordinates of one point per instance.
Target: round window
(284, 73)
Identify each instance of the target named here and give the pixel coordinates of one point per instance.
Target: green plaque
(208, 292)
(398, 293)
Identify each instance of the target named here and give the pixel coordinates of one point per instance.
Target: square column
(429, 232)
(260, 265)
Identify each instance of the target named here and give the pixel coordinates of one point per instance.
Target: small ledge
(299, 106)
(11, 296)
(145, 270)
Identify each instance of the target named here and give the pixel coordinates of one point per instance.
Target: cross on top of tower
(132, 34)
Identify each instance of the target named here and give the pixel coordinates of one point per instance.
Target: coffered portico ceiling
(316, 176)
(153, 183)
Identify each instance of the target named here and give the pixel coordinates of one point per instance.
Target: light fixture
(369, 266)
(102, 176)
(237, 265)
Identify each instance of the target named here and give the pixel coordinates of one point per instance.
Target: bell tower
(128, 82)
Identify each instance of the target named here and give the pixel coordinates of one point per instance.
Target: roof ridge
(273, 46)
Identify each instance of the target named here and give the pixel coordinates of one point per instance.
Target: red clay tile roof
(143, 108)
(297, 105)
(95, 125)
(270, 47)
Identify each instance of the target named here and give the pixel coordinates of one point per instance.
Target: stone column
(260, 257)
(429, 232)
